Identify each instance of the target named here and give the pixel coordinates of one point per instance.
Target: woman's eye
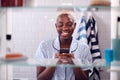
(59, 24)
(69, 24)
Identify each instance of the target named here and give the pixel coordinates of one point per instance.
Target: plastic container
(11, 3)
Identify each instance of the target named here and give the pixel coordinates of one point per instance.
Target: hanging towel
(81, 32)
(88, 33)
(92, 37)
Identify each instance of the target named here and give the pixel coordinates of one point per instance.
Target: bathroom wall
(30, 26)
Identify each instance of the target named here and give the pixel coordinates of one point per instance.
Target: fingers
(57, 55)
(72, 55)
(68, 55)
(64, 58)
(63, 55)
(66, 61)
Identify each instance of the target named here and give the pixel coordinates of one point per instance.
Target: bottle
(116, 42)
(118, 27)
(11, 3)
(108, 55)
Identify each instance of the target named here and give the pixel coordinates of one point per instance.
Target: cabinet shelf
(61, 6)
(52, 62)
(58, 8)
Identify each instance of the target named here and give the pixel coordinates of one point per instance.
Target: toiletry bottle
(116, 42)
(11, 3)
(118, 27)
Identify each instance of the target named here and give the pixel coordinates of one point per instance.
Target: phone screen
(64, 50)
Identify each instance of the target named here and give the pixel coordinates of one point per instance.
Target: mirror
(32, 25)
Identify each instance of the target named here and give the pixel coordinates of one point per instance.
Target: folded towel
(100, 3)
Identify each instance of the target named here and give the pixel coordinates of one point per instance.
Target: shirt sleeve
(88, 61)
(87, 58)
(40, 52)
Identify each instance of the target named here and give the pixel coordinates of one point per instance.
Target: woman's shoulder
(46, 42)
(82, 44)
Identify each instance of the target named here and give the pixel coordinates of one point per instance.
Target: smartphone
(64, 50)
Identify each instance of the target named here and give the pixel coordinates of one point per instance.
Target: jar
(11, 3)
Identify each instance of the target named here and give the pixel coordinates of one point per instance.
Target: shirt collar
(73, 47)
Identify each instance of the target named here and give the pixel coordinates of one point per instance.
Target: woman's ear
(74, 25)
(55, 25)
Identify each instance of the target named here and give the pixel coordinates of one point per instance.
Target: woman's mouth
(65, 33)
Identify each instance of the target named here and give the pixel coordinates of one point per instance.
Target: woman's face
(65, 26)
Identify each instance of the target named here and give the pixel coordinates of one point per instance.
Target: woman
(65, 26)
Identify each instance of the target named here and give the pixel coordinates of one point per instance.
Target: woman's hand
(65, 58)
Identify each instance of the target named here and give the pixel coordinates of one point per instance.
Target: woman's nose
(65, 27)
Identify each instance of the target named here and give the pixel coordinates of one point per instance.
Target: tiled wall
(30, 26)
(3, 68)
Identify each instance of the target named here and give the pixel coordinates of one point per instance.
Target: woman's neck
(65, 43)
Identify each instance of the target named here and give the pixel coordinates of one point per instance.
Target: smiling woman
(65, 26)
(51, 49)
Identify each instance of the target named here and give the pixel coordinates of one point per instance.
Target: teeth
(65, 33)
